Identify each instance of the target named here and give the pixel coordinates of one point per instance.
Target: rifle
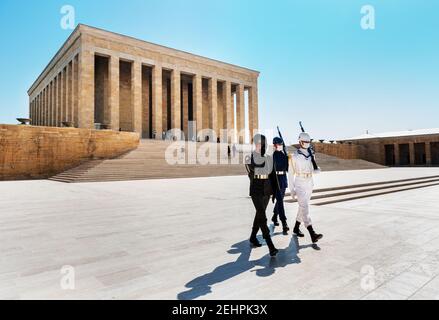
(284, 147)
(310, 150)
(283, 141)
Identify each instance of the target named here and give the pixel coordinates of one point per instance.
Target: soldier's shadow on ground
(202, 285)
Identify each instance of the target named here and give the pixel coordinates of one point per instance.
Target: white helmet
(304, 137)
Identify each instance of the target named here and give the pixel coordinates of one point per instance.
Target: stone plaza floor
(188, 239)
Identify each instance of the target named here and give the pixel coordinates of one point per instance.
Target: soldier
(263, 185)
(301, 185)
(281, 163)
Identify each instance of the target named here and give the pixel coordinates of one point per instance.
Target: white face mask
(305, 145)
(279, 148)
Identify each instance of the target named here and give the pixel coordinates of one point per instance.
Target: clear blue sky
(317, 64)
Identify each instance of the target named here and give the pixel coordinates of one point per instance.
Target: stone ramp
(148, 162)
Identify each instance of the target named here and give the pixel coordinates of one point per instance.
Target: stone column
(412, 153)
(114, 83)
(86, 89)
(37, 107)
(240, 113)
(157, 101)
(45, 107)
(32, 116)
(42, 104)
(229, 110)
(59, 106)
(253, 120)
(50, 103)
(30, 110)
(75, 90)
(185, 102)
(67, 93)
(428, 153)
(175, 99)
(40, 112)
(198, 102)
(55, 101)
(37, 113)
(396, 150)
(70, 92)
(61, 97)
(213, 114)
(136, 89)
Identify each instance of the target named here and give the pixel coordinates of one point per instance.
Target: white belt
(303, 175)
(281, 173)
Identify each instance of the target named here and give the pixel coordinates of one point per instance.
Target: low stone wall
(342, 151)
(29, 152)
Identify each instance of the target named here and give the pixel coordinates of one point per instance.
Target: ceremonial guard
(280, 158)
(302, 168)
(263, 185)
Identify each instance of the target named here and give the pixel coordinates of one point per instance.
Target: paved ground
(187, 239)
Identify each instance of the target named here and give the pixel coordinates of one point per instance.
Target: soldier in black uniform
(263, 185)
(281, 164)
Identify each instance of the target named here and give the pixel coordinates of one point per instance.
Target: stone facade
(409, 150)
(100, 77)
(342, 151)
(29, 152)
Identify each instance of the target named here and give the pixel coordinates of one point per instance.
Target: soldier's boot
(271, 247)
(253, 240)
(297, 231)
(314, 236)
(274, 219)
(285, 228)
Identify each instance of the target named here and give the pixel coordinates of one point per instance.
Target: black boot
(253, 240)
(274, 219)
(297, 231)
(314, 236)
(285, 228)
(273, 250)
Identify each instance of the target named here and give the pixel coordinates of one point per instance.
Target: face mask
(306, 145)
(279, 148)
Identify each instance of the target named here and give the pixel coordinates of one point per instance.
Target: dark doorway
(190, 102)
(147, 102)
(101, 109)
(126, 113)
(420, 155)
(404, 154)
(434, 146)
(390, 154)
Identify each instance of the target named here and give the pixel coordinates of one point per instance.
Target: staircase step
(352, 192)
(322, 202)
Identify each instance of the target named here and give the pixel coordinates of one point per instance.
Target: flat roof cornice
(75, 33)
(83, 28)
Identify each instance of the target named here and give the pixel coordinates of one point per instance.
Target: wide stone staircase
(148, 162)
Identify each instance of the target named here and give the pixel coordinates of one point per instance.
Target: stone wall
(29, 152)
(342, 151)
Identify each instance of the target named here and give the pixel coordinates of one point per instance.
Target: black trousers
(260, 222)
(279, 209)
